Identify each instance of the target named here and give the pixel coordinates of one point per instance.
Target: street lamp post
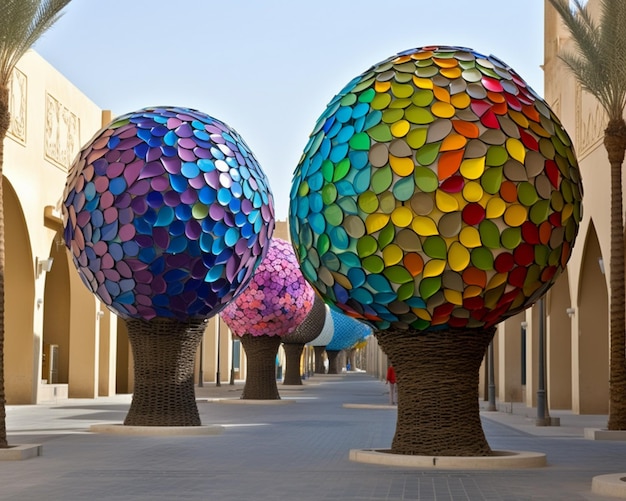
(232, 362)
(492, 379)
(542, 419)
(217, 372)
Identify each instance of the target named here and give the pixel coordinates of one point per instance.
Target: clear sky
(269, 67)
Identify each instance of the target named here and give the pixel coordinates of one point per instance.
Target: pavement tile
(294, 452)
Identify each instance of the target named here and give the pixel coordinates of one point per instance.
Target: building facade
(61, 342)
(576, 309)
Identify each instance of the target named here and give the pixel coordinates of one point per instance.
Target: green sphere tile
(491, 180)
(427, 154)
(496, 156)
(333, 215)
(360, 141)
(489, 234)
(373, 264)
(398, 275)
(425, 179)
(435, 247)
(380, 133)
(418, 115)
(429, 287)
(386, 236)
(482, 258)
(511, 238)
(527, 194)
(366, 246)
(368, 202)
(382, 179)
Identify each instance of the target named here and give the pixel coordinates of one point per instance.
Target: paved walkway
(293, 452)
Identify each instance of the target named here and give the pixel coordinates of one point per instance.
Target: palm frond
(599, 60)
(22, 22)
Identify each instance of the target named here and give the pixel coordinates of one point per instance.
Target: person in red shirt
(391, 381)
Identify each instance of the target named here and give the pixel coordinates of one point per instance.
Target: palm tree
(22, 22)
(599, 65)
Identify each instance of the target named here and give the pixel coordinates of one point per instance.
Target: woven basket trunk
(293, 354)
(333, 361)
(164, 351)
(437, 376)
(319, 359)
(261, 367)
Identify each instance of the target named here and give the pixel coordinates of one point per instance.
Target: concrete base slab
(245, 401)
(501, 460)
(120, 429)
(610, 485)
(370, 406)
(600, 434)
(21, 452)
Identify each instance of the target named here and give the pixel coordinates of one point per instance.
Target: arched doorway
(21, 348)
(590, 353)
(559, 345)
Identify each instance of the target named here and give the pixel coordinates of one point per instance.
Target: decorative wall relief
(17, 106)
(590, 121)
(62, 133)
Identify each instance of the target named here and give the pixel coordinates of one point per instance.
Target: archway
(559, 345)
(21, 349)
(56, 326)
(590, 345)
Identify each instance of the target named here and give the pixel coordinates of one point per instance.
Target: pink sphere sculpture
(276, 301)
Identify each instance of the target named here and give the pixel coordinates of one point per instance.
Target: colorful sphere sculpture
(312, 325)
(167, 213)
(347, 332)
(437, 190)
(328, 330)
(276, 301)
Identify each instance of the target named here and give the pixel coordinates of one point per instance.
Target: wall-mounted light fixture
(43, 265)
(570, 311)
(601, 264)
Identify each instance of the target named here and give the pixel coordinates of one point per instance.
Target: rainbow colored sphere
(276, 301)
(167, 213)
(437, 190)
(347, 332)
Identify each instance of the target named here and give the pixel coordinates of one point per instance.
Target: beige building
(576, 308)
(60, 342)
(46, 303)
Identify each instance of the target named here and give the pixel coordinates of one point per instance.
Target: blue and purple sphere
(167, 214)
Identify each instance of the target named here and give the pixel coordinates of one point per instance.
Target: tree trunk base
(437, 377)
(164, 351)
(333, 361)
(261, 368)
(319, 359)
(293, 354)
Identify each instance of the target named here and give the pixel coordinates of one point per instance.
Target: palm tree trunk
(4, 127)
(164, 353)
(293, 353)
(615, 144)
(261, 367)
(437, 375)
